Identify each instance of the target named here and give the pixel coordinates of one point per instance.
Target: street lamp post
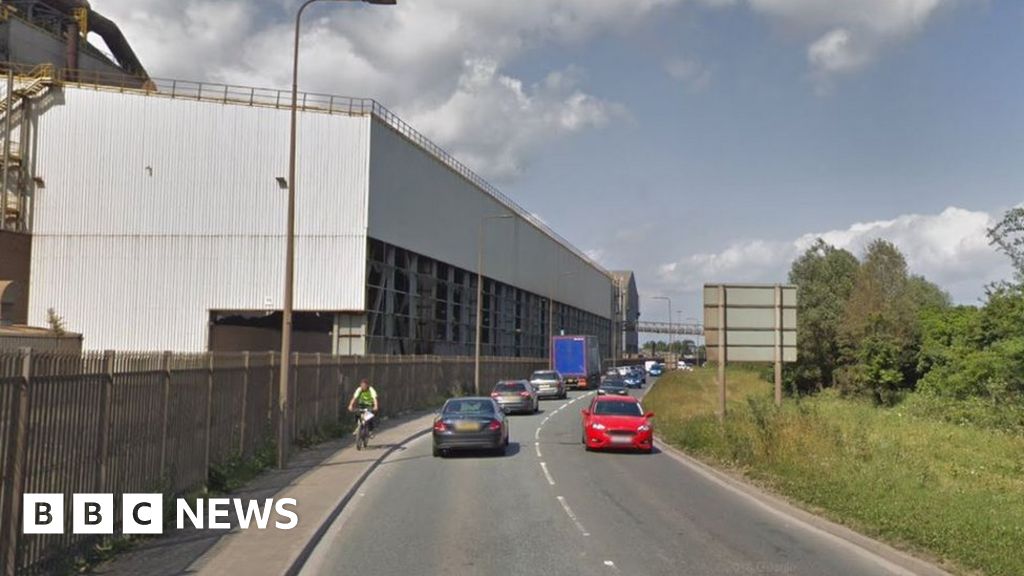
(669, 300)
(480, 297)
(289, 262)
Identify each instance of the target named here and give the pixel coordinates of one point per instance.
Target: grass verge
(953, 491)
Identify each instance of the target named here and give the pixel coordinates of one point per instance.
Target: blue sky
(691, 141)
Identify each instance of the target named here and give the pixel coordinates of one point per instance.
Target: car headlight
(598, 426)
(644, 428)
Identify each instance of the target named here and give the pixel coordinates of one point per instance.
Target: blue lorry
(578, 360)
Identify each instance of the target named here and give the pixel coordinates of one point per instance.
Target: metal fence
(156, 422)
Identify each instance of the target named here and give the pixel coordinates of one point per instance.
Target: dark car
(470, 423)
(615, 385)
(657, 370)
(632, 380)
(516, 396)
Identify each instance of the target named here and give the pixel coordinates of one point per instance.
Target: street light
(669, 300)
(289, 261)
(480, 296)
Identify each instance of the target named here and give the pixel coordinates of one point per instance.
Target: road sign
(750, 323)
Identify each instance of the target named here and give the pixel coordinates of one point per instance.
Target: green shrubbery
(870, 328)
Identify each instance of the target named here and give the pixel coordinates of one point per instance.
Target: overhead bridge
(670, 328)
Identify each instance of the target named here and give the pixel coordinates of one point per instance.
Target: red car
(617, 422)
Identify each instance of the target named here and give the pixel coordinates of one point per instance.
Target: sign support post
(778, 345)
(721, 353)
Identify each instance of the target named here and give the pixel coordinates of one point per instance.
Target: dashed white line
(547, 474)
(609, 563)
(572, 516)
(536, 434)
(536, 446)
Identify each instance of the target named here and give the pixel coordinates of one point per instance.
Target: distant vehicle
(623, 370)
(577, 359)
(613, 385)
(516, 396)
(470, 423)
(632, 380)
(548, 384)
(640, 373)
(617, 422)
(656, 370)
(648, 364)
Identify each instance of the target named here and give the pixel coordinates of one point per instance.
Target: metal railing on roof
(281, 99)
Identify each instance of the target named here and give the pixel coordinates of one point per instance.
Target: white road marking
(536, 434)
(547, 474)
(536, 445)
(609, 563)
(572, 516)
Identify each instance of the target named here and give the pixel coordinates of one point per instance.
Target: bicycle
(362, 430)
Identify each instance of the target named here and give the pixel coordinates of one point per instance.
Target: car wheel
(536, 406)
(437, 452)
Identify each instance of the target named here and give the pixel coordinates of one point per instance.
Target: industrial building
(150, 215)
(157, 219)
(627, 311)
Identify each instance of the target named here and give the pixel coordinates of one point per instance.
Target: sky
(691, 141)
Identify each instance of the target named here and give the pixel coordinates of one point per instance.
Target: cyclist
(366, 398)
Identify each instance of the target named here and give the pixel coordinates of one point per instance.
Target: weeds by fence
(157, 422)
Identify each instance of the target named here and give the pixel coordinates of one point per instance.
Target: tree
(1008, 235)
(824, 276)
(880, 332)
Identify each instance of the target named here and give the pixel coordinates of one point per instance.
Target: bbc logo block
(93, 514)
(144, 513)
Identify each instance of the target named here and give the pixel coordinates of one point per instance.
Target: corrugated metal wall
(157, 210)
(419, 203)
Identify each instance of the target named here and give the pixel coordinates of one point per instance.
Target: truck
(578, 360)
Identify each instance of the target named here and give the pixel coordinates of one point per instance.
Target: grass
(951, 490)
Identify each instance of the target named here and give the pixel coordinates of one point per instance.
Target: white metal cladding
(419, 203)
(157, 210)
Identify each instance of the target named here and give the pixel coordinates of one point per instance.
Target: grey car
(516, 396)
(470, 423)
(548, 384)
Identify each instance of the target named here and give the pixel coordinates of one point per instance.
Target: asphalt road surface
(550, 507)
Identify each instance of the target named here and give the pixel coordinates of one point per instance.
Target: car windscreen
(618, 409)
(612, 382)
(469, 408)
(506, 387)
(544, 376)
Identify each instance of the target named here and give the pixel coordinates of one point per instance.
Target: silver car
(548, 384)
(516, 396)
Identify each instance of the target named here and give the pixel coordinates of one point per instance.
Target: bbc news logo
(144, 513)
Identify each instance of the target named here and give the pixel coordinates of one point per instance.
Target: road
(550, 507)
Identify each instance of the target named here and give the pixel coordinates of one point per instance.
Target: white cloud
(690, 71)
(950, 248)
(443, 64)
(847, 34)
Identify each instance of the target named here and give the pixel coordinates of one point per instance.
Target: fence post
(316, 402)
(209, 411)
(106, 399)
(165, 367)
(16, 453)
(245, 404)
